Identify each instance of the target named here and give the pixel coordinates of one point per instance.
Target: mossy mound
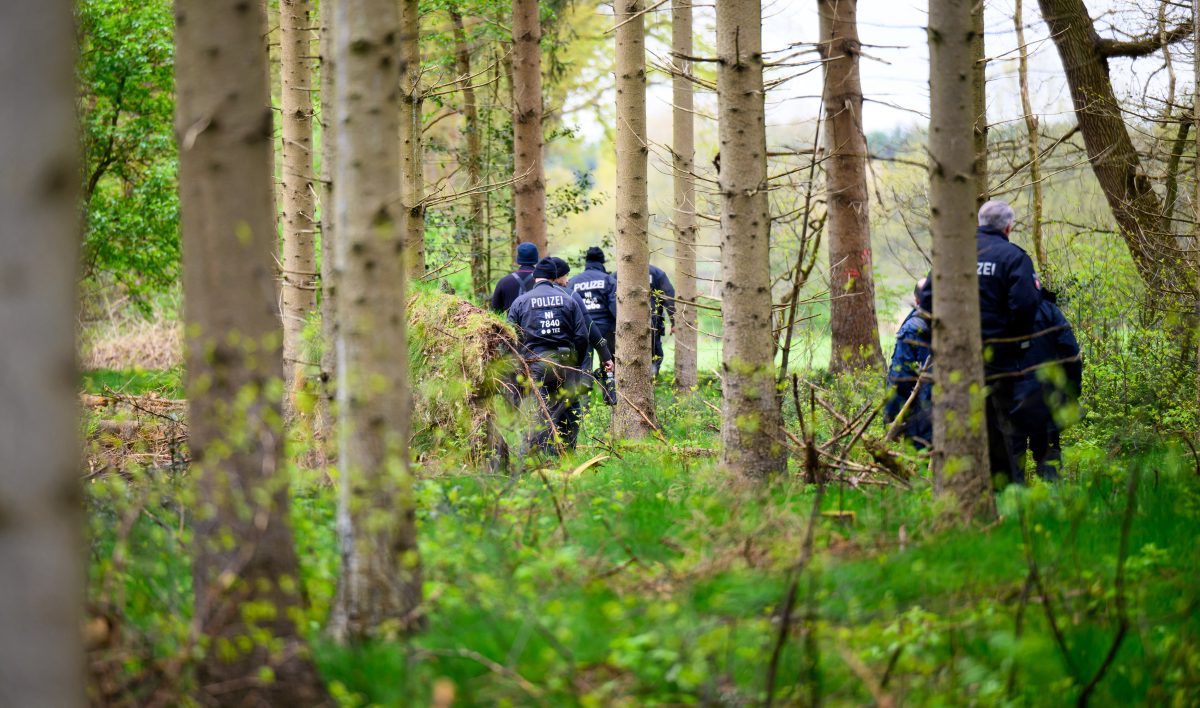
(460, 356)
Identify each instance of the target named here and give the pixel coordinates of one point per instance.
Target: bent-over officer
(908, 369)
(555, 331)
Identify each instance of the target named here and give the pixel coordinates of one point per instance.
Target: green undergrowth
(133, 382)
(653, 577)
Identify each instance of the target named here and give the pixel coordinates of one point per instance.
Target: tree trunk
(979, 102)
(299, 277)
(380, 586)
(412, 172)
(854, 325)
(1031, 127)
(1130, 194)
(1196, 167)
(41, 560)
(329, 328)
(751, 435)
(474, 157)
(960, 451)
(244, 555)
(683, 148)
(529, 191)
(634, 414)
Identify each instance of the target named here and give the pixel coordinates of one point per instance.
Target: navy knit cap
(594, 254)
(527, 254)
(551, 268)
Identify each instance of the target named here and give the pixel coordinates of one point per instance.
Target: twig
(789, 602)
(1122, 609)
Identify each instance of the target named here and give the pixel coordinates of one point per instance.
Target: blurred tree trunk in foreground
(41, 560)
(379, 590)
(246, 573)
(326, 426)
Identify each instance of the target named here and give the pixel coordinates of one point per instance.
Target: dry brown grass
(120, 337)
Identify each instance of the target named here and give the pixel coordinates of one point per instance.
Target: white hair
(996, 214)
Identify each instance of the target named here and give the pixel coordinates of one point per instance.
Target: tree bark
(683, 148)
(474, 156)
(854, 325)
(634, 414)
(379, 589)
(960, 451)
(979, 102)
(1032, 129)
(42, 578)
(412, 172)
(529, 192)
(1116, 163)
(751, 435)
(244, 557)
(299, 276)
(329, 326)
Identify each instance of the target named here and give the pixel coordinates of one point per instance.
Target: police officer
(1048, 393)
(512, 285)
(594, 286)
(1008, 303)
(908, 366)
(662, 292)
(555, 331)
(662, 298)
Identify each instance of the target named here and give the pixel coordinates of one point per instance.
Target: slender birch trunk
(853, 323)
(1032, 128)
(529, 192)
(412, 173)
(41, 543)
(960, 451)
(979, 101)
(683, 148)
(244, 555)
(299, 276)
(751, 425)
(474, 158)
(379, 591)
(329, 327)
(634, 414)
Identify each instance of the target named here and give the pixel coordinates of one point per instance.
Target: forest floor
(651, 577)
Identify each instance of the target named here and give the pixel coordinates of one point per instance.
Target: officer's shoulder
(913, 324)
(1016, 251)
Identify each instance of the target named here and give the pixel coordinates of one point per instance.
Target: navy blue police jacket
(594, 287)
(549, 318)
(1008, 298)
(510, 287)
(663, 292)
(1054, 367)
(908, 358)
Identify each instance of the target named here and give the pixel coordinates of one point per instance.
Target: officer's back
(594, 286)
(1008, 298)
(550, 319)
